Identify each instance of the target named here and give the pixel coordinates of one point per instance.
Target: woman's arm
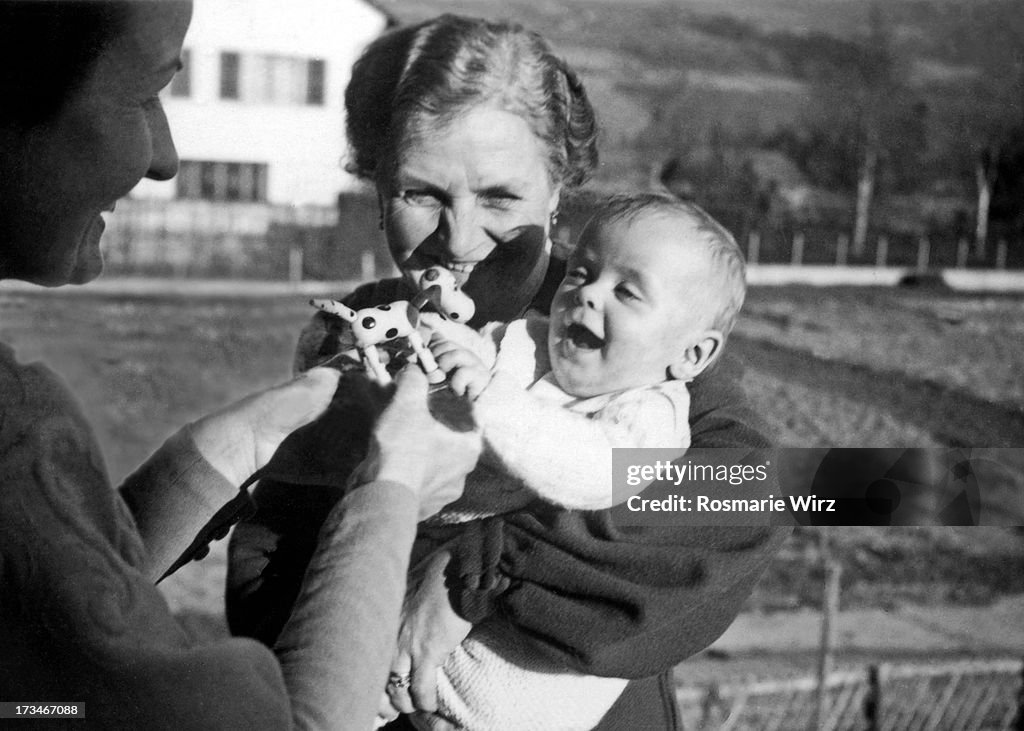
(200, 469)
(82, 621)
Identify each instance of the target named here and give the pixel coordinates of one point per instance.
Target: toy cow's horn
(333, 307)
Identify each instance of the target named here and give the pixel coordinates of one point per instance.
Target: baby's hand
(467, 337)
(467, 374)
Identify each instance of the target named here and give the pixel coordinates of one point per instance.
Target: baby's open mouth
(583, 338)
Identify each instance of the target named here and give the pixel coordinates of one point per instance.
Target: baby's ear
(698, 356)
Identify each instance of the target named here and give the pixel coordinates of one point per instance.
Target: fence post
(873, 699)
(962, 249)
(1019, 722)
(923, 251)
(295, 264)
(829, 610)
(842, 248)
(367, 266)
(753, 247)
(712, 709)
(798, 249)
(883, 251)
(1001, 254)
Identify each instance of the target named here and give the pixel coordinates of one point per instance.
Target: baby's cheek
(562, 300)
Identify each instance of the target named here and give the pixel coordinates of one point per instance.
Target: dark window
(315, 82)
(208, 181)
(181, 84)
(233, 190)
(229, 67)
(189, 179)
(222, 181)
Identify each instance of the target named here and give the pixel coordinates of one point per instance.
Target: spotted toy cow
(373, 326)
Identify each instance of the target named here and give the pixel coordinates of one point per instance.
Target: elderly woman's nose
(164, 163)
(461, 234)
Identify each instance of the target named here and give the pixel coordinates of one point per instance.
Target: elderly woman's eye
(500, 200)
(420, 198)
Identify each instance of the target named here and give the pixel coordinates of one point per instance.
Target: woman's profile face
(109, 134)
(475, 188)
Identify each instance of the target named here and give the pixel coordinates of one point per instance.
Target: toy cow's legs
(377, 369)
(426, 358)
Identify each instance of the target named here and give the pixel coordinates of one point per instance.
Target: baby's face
(635, 297)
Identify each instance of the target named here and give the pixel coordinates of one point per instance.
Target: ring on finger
(399, 681)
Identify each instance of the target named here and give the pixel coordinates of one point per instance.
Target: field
(826, 367)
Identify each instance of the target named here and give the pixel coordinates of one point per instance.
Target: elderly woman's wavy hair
(415, 80)
(47, 49)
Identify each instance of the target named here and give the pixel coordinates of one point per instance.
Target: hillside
(668, 77)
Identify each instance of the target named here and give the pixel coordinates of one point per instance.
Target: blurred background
(840, 140)
(818, 131)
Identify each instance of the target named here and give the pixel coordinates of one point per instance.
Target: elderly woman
(471, 132)
(83, 623)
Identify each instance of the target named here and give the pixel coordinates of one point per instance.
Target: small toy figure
(373, 326)
(437, 285)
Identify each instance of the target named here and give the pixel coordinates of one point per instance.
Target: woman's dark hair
(47, 49)
(422, 77)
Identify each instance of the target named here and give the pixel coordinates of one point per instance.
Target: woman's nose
(164, 163)
(461, 234)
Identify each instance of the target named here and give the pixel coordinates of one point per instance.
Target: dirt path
(785, 643)
(953, 417)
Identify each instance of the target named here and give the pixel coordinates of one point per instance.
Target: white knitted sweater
(540, 442)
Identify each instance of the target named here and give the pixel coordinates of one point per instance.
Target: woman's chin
(84, 275)
(89, 263)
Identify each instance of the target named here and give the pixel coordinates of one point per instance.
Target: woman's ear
(553, 201)
(698, 356)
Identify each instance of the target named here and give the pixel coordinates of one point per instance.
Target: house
(257, 109)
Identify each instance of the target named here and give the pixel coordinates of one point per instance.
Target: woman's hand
(429, 632)
(242, 437)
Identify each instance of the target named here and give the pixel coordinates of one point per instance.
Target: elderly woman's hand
(429, 632)
(241, 438)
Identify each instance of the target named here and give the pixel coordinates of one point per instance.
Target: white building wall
(303, 145)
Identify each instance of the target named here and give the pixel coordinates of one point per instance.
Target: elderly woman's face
(475, 188)
(107, 136)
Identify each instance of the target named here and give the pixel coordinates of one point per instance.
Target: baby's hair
(419, 78)
(726, 258)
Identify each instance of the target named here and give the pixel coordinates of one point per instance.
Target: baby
(649, 297)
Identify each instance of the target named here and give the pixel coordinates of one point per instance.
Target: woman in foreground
(82, 620)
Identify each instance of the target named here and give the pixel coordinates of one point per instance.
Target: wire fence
(960, 696)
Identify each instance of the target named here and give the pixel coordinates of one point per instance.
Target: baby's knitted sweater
(540, 442)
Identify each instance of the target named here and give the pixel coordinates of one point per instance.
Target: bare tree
(879, 81)
(986, 107)
(993, 118)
